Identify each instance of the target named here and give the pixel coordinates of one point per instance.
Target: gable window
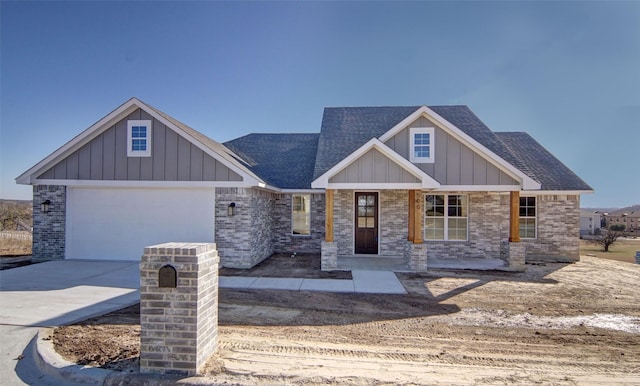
(301, 214)
(422, 144)
(445, 217)
(139, 138)
(528, 217)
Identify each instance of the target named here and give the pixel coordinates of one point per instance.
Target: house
(629, 217)
(590, 222)
(410, 183)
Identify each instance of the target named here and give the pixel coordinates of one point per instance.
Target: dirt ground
(555, 324)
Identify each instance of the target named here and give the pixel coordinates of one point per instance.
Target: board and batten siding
(173, 158)
(455, 163)
(373, 167)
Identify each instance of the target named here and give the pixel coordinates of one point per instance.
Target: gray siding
(374, 167)
(455, 163)
(173, 158)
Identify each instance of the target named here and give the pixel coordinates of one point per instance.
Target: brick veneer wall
(558, 229)
(343, 207)
(178, 326)
(488, 226)
(284, 240)
(49, 228)
(393, 222)
(245, 239)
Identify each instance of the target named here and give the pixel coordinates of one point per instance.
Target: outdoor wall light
(44, 207)
(231, 209)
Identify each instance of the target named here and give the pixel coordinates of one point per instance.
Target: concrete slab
(235, 282)
(327, 285)
(380, 282)
(277, 283)
(52, 294)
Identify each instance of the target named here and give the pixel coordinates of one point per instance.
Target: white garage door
(116, 224)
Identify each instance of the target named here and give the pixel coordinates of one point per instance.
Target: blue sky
(568, 73)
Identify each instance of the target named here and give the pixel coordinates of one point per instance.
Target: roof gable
(423, 180)
(207, 145)
(345, 129)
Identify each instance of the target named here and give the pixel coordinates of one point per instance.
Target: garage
(117, 223)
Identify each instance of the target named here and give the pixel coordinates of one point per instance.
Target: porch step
(369, 263)
(466, 263)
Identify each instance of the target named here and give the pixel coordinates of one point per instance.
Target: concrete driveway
(53, 294)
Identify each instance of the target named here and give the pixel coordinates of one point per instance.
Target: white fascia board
(479, 188)
(555, 192)
(307, 191)
(27, 178)
(374, 143)
(527, 182)
(375, 186)
(143, 184)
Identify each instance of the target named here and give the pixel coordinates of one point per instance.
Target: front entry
(366, 238)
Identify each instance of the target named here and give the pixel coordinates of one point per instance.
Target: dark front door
(366, 223)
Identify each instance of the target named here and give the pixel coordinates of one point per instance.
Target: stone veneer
(178, 325)
(261, 226)
(246, 238)
(557, 222)
(49, 228)
(284, 241)
(558, 237)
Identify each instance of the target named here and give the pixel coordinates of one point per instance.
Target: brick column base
(416, 256)
(178, 307)
(514, 255)
(329, 256)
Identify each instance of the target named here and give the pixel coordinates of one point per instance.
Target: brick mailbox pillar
(178, 307)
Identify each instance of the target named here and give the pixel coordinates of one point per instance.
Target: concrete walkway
(53, 294)
(373, 282)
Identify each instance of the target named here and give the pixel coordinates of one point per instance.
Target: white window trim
(446, 218)
(535, 218)
(308, 196)
(138, 153)
(422, 130)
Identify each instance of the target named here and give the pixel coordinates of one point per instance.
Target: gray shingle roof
(540, 164)
(283, 160)
(293, 161)
(345, 129)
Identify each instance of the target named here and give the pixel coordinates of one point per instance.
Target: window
(445, 217)
(422, 144)
(301, 214)
(528, 217)
(139, 138)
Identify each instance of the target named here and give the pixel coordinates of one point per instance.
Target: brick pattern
(416, 256)
(488, 225)
(343, 217)
(284, 241)
(179, 325)
(329, 256)
(246, 238)
(393, 222)
(558, 228)
(49, 228)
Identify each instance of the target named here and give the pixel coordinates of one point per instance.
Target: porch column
(417, 217)
(328, 223)
(412, 210)
(514, 217)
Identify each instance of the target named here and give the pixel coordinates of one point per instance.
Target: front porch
(396, 221)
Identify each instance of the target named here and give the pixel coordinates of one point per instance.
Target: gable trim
(427, 182)
(30, 176)
(527, 182)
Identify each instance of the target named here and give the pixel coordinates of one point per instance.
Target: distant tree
(607, 238)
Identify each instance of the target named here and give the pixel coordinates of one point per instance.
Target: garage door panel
(116, 224)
